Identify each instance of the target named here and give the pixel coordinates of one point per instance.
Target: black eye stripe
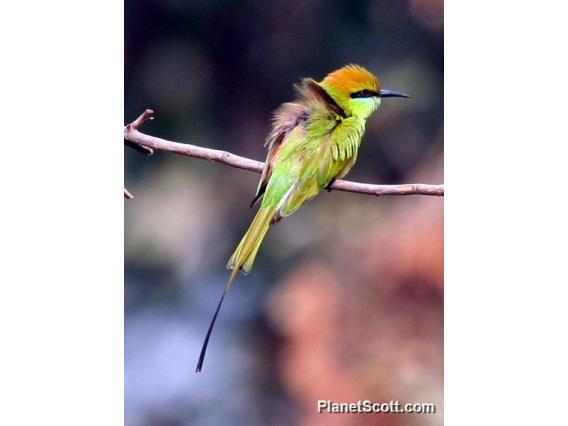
(365, 93)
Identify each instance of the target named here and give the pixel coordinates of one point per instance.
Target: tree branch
(147, 144)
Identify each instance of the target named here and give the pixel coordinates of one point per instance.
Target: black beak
(385, 93)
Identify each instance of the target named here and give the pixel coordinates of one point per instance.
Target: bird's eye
(365, 93)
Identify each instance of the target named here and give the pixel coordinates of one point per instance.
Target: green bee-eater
(314, 140)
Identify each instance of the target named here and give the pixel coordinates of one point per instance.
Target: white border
(61, 226)
(506, 213)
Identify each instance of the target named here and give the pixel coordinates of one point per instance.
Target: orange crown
(351, 78)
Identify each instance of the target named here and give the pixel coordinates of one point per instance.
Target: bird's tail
(241, 260)
(245, 253)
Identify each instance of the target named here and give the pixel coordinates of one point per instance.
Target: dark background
(346, 298)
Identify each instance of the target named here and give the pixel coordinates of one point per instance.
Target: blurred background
(345, 301)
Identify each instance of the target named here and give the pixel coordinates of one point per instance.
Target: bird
(314, 140)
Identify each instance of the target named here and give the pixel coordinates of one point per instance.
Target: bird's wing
(286, 118)
(314, 104)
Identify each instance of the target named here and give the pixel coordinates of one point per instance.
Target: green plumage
(314, 140)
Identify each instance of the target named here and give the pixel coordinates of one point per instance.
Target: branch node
(133, 127)
(145, 116)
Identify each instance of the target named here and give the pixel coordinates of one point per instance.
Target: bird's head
(356, 90)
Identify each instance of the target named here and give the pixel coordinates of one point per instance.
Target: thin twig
(133, 136)
(127, 194)
(140, 148)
